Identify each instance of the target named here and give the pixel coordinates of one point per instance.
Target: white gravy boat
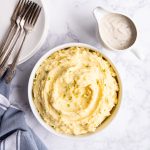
(101, 13)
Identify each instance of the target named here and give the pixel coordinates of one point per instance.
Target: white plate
(35, 39)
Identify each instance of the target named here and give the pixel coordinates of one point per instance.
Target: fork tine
(29, 11)
(36, 16)
(24, 2)
(17, 8)
(25, 9)
(28, 17)
(32, 13)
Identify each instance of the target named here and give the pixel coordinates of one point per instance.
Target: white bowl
(37, 115)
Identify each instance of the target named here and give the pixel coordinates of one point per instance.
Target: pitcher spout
(99, 12)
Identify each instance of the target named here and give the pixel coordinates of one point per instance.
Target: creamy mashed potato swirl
(74, 90)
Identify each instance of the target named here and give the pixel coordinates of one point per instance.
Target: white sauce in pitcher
(117, 31)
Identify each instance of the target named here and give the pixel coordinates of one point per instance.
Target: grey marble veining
(73, 21)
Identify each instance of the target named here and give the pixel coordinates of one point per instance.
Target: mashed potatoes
(74, 90)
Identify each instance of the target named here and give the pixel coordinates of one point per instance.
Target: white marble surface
(73, 21)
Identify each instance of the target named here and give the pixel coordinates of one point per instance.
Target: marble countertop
(73, 21)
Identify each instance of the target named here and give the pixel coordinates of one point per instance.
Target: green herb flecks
(53, 126)
(68, 105)
(46, 71)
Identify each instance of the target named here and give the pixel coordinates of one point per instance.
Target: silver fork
(6, 42)
(20, 18)
(28, 27)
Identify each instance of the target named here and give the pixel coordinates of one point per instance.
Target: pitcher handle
(138, 53)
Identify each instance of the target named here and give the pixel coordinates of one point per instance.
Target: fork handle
(3, 65)
(2, 71)
(6, 40)
(8, 49)
(12, 67)
(10, 74)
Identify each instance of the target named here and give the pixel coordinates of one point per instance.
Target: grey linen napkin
(14, 132)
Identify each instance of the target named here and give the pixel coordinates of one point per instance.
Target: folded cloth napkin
(14, 132)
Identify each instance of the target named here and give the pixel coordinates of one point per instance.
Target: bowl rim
(35, 111)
